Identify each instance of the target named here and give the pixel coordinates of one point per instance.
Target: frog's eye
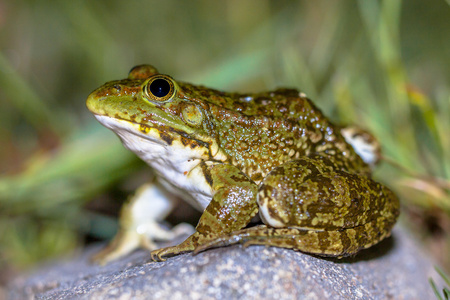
(159, 88)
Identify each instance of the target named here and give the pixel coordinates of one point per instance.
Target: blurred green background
(384, 65)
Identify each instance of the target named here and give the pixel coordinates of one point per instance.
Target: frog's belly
(178, 165)
(198, 200)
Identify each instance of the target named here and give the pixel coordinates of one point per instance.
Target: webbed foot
(186, 246)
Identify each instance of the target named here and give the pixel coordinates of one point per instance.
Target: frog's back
(280, 103)
(261, 131)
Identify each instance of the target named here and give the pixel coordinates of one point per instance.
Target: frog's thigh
(309, 194)
(139, 223)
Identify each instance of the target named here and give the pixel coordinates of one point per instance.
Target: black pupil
(160, 88)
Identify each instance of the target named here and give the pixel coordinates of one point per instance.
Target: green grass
(380, 64)
(445, 290)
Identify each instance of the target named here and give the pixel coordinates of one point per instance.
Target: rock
(394, 269)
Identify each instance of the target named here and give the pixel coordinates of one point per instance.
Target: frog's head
(364, 143)
(149, 108)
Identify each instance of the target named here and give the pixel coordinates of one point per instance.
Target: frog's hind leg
(311, 205)
(139, 224)
(334, 243)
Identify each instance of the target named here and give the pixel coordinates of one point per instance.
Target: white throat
(176, 163)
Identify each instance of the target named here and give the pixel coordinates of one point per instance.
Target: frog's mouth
(125, 127)
(136, 137)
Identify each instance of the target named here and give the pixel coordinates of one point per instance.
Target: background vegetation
(384, 65)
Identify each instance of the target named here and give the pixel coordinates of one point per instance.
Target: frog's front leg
(232, 207)
(311, 206)
(139, 223)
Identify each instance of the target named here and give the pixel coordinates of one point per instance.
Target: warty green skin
(272, 152)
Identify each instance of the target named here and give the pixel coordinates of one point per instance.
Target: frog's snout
(92, 102)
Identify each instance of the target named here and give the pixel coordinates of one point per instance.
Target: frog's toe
(156, 255)
(187, 246)
(160, 254)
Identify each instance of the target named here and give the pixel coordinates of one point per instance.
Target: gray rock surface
(394, 269)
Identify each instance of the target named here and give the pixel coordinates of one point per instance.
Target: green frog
(270, 157)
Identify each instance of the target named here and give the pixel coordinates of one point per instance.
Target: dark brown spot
(207, 174)
(324, 241)
(257, 177)
(165, 137)
(237, 178)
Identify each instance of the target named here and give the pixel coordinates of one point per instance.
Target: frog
(266, 168)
